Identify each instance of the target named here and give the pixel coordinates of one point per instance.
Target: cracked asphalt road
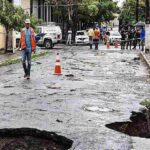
(96, 88)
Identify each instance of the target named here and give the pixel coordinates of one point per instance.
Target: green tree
(98, 10)
(107, 9)
(84, 11)
(12, 17)
(128, 12)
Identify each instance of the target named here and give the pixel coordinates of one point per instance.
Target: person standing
(123, 38)
(96, 37)
(91, 35)
(28, 45)
(69, 38)
(142, 37)
(136, 39)
(129, 39)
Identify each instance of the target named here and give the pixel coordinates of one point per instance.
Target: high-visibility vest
(23, 39)
(96, 34)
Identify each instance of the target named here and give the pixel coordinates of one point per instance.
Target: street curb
(18, 59)
(145, 59)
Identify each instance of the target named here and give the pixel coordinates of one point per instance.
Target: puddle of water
(109, 73)
(95, 109)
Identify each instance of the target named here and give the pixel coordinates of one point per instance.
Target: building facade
(41, 9)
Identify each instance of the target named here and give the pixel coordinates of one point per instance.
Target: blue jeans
(26, 56)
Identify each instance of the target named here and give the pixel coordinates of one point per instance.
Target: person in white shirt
(69, 37)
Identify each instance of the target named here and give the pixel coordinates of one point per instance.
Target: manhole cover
(32, 139)
(95, 109)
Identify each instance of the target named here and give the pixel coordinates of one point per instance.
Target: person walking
(96, 37)
(69, 38)
(91, 35)
(28, 45)
(142, 37)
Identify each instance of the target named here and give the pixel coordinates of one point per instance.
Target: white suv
(57, 30)
(45, 37)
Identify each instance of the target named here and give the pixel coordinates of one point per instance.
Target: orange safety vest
(96, 34)
(23, 39)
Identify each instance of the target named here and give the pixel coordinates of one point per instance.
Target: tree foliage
(87, 10)
(12, 17)
(128, 13)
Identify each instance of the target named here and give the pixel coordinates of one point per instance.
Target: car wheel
(48, 44)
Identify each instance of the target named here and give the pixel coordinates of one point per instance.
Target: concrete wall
(147, 37)
(35, 8)
(26, 5)
(2, 38)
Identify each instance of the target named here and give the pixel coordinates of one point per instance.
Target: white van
(46, 37)
(53, 27)
(57, 30)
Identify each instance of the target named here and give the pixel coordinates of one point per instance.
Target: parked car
(46, 40)
(115, 28)
(114, 36)
(82, 37)
(51, 28)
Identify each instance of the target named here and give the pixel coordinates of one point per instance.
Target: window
(80, 33)
(44, 11)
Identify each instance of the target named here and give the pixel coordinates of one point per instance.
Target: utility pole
(147, 10)
(147, 26)
(137, 10)
(74, 19)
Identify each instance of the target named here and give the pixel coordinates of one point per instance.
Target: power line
(62, 5)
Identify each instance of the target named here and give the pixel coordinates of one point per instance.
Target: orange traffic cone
(116, 44)
(108, 44)
(57, 70)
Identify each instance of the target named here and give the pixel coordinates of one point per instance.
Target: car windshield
(80, 33)
(115, 34)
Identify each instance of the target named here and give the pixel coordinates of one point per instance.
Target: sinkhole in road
(137, 126)
(32, 139)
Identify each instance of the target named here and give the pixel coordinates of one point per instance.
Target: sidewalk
(17, 55)
(9, 56)
(12, 58)
(146, 58)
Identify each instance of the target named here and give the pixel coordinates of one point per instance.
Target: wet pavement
(96, 88)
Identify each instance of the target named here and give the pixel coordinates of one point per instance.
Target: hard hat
(27, 21)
